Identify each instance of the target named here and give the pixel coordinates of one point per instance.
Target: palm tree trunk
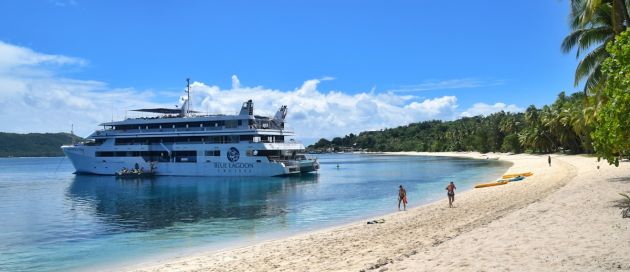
(620, 16)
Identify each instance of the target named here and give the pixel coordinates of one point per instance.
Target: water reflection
(144, 204)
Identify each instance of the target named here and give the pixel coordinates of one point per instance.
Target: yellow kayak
(482, 185)
(527, 174)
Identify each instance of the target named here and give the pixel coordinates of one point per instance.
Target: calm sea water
(53, 220)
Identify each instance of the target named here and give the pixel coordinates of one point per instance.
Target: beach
(560, 219)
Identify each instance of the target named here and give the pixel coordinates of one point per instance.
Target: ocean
(54, 220)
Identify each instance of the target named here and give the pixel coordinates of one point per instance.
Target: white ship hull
(85, 161)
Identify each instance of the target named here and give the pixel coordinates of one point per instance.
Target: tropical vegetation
(612, 122)
(601, 27)
(34, 144)
(560, 127)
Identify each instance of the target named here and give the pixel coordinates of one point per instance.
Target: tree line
(561, 126)
(34, 144)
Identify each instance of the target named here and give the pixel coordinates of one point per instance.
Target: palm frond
(595, 81)
(571, 40)
(589, 62)
(592, 36)
(591, 7)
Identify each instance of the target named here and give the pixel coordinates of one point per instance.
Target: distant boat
(134, 174)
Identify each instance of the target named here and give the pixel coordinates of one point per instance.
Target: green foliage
(611, 136)
(592, 27)
(511, 144)
(34, 144)
(559, 127)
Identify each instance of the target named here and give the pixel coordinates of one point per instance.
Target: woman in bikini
(450, 192)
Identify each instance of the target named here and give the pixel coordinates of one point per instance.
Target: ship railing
(105, 132)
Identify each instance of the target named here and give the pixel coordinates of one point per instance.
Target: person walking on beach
(549, 160)
(450, 192)
(402, 197)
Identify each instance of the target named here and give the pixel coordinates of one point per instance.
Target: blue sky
(453, 54)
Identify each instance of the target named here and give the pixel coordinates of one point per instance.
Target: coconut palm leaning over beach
(592, 27)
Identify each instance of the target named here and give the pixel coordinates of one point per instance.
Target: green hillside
(34, 144)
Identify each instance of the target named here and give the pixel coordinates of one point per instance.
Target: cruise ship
(183, 142)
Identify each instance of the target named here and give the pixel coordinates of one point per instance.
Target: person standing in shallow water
(402, 197)
(549, 160)
(450, 192)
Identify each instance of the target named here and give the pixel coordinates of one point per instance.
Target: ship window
(231, 124)
(240, 123)
(214, 139)
(104, 154)
(213, 153)
(231, 139)
(246, 138)
(185, 156)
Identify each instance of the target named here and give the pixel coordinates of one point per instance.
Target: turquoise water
(54, 220)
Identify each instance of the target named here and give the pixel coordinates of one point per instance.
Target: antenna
(188, 109)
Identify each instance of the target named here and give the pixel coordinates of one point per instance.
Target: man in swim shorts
(450, 192)
(402, 197)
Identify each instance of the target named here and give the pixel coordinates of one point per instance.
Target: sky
(341, 66)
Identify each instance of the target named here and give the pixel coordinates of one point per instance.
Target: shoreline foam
(434, 237)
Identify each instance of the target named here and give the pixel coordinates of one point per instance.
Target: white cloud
(236, 84)
(34, 98)
(314, 113)
(13, 58)
(460, 83)
(485, 109)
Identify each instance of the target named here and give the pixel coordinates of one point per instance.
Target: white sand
(560, 219)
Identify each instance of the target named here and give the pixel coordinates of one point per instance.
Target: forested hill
(34, 144)
(558, 127)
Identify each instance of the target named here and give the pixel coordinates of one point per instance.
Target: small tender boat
(490, 184)
(135, 173)
(526, 174)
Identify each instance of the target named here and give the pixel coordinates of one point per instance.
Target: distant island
(34, 144)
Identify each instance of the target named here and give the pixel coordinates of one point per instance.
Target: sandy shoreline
(560, 219)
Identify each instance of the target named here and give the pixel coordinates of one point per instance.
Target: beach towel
(405, 200)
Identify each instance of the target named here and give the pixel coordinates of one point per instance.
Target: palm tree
(591, 26)
(535, 136)
(620, 18)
